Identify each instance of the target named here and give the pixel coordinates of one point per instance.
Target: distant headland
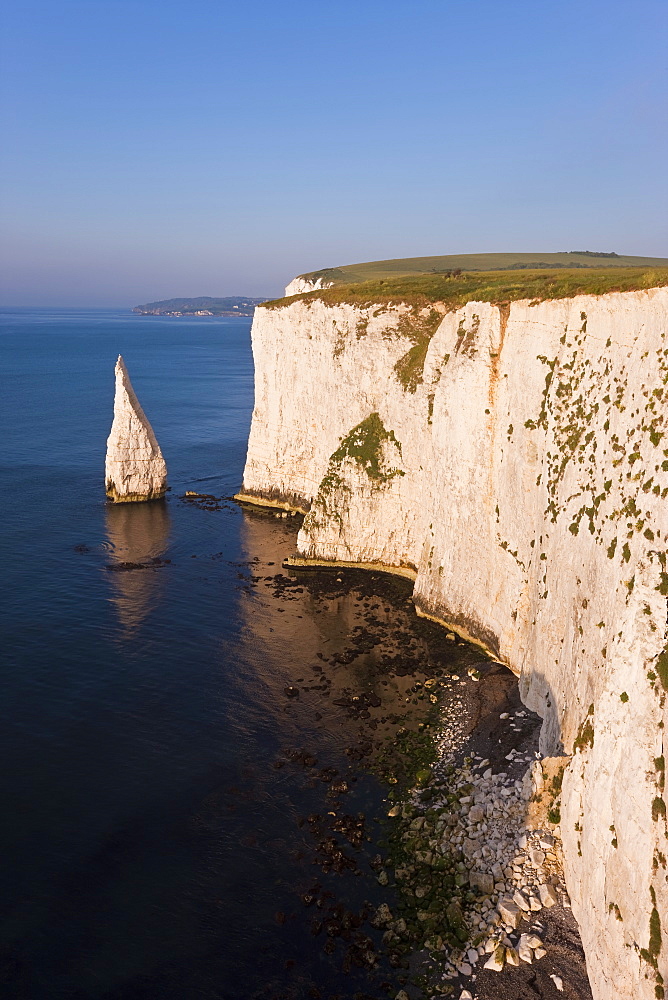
(233, 305)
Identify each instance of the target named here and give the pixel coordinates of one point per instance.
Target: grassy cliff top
(375, 269)
(420, 290)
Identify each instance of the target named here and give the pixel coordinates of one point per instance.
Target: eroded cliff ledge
(514, 459)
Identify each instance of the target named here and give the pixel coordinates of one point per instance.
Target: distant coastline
(233, 305)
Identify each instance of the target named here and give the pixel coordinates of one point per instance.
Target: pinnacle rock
(134, 469)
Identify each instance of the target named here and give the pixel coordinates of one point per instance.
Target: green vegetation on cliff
(364, 444)
(421, 290)
(376, 269)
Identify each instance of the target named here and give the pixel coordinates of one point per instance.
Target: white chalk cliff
(513, 461)
(134, 468)
(299, 285)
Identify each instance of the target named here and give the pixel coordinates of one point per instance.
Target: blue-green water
(153, 835)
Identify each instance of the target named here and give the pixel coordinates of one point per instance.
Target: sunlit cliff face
(527, 486)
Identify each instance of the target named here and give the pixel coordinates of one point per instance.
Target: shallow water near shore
(192, 807)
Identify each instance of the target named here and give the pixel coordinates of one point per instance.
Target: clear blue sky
(178, 147)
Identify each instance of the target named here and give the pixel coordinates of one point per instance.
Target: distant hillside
(350, 273)
(234, 305)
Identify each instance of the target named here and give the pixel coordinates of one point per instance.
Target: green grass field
(419, 290)
(376, 269)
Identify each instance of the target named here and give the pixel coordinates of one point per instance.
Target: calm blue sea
(162, 813)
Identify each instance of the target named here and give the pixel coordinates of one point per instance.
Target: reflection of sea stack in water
(135, 469)
(139, 536)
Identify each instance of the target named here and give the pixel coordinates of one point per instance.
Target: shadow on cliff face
(525, 865)
(499, 730)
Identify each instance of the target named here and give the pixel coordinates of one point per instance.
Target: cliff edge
(512, 458)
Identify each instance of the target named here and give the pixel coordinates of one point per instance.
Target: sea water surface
(188, 808)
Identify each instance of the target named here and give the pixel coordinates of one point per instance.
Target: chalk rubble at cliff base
(506, 874)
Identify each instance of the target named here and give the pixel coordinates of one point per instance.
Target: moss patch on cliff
(420, 329)
(662, 668)
(585, 736)
(653, 950)
(364, 444)
(485, 286)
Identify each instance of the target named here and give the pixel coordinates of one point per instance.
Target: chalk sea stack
(134, 468)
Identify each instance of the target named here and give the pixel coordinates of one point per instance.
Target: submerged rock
(134, 469)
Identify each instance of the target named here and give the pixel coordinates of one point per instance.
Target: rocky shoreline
(479, 866)
(465, 901)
